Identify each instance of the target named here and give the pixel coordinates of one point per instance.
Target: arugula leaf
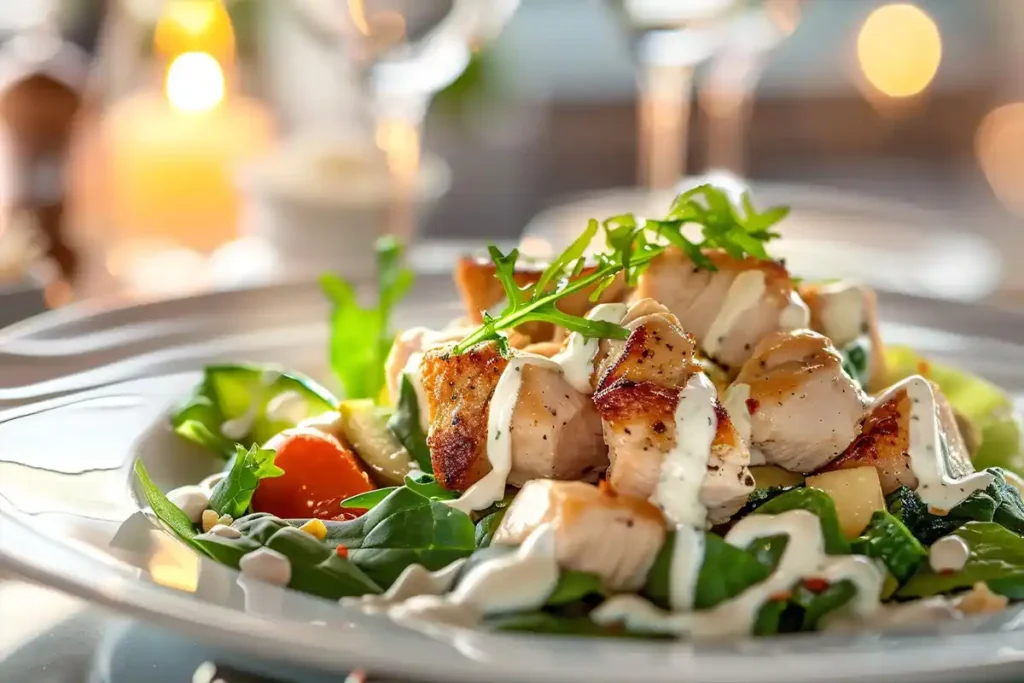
(405, 528)
(167, 512)
(818, 502)
(996, 557)
(233, 494)
(405, 425)
(316, 568)
(360, 337)
(888, 540)
(726, 572)
(243, 392)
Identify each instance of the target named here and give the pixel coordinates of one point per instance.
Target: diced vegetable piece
(770, 476)
(248, 404)
(364, 426)
(319, 473)
(857, 494)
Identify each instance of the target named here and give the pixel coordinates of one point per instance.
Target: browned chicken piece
(803, 409)
(844, 312)
(884, 441)
(728, 310)
(641, 383)
(480, 291)
(596, 530)
(555, 430)
(409, 346)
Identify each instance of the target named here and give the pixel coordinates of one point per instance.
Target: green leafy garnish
(423, 484)
(405, 425)
(818, 502)
(996, 557)
(242, 393)
(815, 605)
(888, 540)
(316, 568)
(166, 511)
(360, 337)
(405, 528)
(739, 230)
(233, 494)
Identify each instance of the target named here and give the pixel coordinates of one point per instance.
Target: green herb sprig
(632, 244)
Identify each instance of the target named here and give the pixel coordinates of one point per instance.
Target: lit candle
(174, 154)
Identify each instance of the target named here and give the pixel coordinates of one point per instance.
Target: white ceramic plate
(85, 392)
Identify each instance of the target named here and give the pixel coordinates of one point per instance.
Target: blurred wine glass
(405, 51)
(726, 95)
(670, 38)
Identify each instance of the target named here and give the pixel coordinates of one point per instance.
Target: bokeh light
(195, 82)
(899, 50)
(999, 145)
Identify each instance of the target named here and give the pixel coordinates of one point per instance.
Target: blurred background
(155, 148)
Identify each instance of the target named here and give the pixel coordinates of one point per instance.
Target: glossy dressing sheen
(803, 558)
(936, 488)
(577, 358)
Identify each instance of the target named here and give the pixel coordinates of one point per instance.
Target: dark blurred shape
(42, 78)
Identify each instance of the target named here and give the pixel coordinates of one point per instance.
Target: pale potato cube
(857, 493)
(766, 476)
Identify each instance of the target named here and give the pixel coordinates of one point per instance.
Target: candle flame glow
(899, 49)
(195, 82)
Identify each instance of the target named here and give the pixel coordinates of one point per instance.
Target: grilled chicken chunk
(480, 291)
(884, 441)
(641, 385)
(555, 431)
(596, 530)
(728, 310)
(803, 409)
(844, 312)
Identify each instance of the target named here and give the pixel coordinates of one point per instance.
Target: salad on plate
(670, 436)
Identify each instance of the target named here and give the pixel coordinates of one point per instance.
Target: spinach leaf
(908, 507)
(487, 525)
(857, 359)
(1010, 510)
(166, 511)
(233, 494)
(316, 568)
(816, 501)
(888, 540)
(405, 528)
(405, 425)
(759, 497)
(815, 605)
(360, 337)
(243, 392)
(996, 557)
(423, 484)
(574, 586)
(726, 572)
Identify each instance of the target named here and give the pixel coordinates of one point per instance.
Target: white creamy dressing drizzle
(491, 488)
(803, 558)
(796, 315)
(744, 293)
(266, 565)
(193, 500)
(939, 491)
(687, 558)
(238, 427)
(948, 554)
(577, 358)
(522, 580)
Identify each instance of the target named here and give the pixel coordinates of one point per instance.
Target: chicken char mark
(459, 389)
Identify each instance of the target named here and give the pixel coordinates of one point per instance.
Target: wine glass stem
(399, 134)
(727, 100)
(664, 118)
